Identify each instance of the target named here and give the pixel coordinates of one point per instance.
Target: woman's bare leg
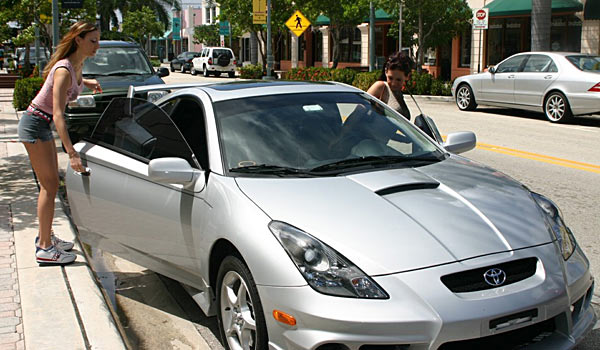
(45, 164)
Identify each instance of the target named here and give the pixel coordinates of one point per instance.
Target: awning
(523, 7)
(164, 37)
(380, 15)
(592, 9)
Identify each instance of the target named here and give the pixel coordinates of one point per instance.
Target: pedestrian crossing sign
(297, 23)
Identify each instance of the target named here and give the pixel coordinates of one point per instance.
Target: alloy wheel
(237, 312)
(463, 97)
(555, 108)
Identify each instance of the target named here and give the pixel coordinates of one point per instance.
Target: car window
(117, 61)
(307, 130)
(188, 116)
(511, 65)
(218, 52)
(142, 129)
(538, 63)
(585, 62)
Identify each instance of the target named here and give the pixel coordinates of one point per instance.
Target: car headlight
(154, 96)
(325, 270)
(85, 101)
(563, 234)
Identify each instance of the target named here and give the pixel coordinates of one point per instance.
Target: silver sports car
(312, 216)
(559, 84)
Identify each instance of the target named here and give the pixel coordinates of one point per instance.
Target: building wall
(590, 37)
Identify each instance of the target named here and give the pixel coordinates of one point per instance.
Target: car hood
(397, 220)
(122, 82)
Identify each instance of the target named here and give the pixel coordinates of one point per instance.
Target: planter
(8, 80)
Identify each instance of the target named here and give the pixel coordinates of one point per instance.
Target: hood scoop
(408, 187)
(393, 181)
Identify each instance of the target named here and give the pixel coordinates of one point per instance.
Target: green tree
(427, 24)
(107, 9)
(207, 34)
(343, 14)
(142, 25)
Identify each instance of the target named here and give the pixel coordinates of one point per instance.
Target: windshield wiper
(113, 74)
(372, 161)
(271, 170)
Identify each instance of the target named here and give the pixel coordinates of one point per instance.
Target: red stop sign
(480, 14)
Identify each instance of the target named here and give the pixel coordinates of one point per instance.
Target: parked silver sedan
(561, 85)
(312, 216)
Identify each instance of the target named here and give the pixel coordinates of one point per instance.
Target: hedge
(25, 90)
(364, 80)
(251, 71)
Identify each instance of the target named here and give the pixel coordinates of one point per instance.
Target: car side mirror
(162, 72)
(492, 69)
(172, 170)
(427, 125)
(459, 142)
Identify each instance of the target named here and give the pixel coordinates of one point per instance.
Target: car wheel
(193, 71)
(556, 108)
(172, 68)
(239, 311)
(464, 98)
(231, 74)
(182, 69)
(205, 72)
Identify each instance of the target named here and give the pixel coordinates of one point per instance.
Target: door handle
(512, 76)
(548, 77)
(87, 172)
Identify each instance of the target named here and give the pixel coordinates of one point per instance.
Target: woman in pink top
(63, 81)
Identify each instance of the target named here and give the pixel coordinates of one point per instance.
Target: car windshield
(322, 133)
(117, 61)
(585, 63)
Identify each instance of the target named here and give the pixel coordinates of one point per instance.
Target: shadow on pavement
(593, 120)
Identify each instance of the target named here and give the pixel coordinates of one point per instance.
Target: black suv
(116, 66)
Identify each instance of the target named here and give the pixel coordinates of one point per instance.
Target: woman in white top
(394, 75)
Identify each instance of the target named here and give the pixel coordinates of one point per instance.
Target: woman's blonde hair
(67, 44)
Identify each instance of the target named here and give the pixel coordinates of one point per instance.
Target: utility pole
(400, 26)
(269, 50)
(54, 25)
(371, 37)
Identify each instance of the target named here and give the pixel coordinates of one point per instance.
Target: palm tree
(541, 14)
(108, 10)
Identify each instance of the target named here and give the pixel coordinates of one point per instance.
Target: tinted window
(188, 116)
(538, 63)
(218, 52)
(140, 128)
(585, 63)
(117, 60)
(511, 65)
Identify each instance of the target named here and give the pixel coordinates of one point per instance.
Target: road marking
(540, 157)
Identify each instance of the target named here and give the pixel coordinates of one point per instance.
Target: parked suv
(215, 60)
(116, 66)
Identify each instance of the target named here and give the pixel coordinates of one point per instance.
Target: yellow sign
(259, 11)
(297, 23)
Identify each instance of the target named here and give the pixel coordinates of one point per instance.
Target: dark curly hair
(397, 60)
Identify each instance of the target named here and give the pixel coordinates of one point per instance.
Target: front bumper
(424, 314)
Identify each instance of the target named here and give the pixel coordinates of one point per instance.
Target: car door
(179, 61)
(499, 87)
(538, 73)
(120, 209)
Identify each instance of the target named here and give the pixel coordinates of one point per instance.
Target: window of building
(350, 45)
(318, 42)
(465, 48)
(246, 49)
(206, 16)
(301, 47)
(565, 33)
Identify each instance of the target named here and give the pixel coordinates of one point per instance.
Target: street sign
(224, 28)
(176, 28)
(297, 23)
(259, 11)
(480, 18)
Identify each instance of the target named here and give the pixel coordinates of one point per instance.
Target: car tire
(465, 100)
(193, 71)
(231, 74)
(182, 69)
(557, 108)
(205, 72)
(172, 68)
(234, 281)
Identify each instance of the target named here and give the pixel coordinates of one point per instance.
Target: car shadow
(593, 120)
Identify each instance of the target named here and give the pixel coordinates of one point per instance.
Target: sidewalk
(48, 307)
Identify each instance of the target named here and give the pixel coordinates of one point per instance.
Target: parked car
(116, 65)
(313, 216)
(561, 85)
(215, 60)
(183, 62)
(44, 57)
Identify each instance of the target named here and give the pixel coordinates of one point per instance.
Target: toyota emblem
(494, 277)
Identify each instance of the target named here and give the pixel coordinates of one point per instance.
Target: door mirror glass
(428, 126)
(459, 142)
(492, 69)
(163, 72)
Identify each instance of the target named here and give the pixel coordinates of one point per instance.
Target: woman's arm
(62, 83)
(93, 85)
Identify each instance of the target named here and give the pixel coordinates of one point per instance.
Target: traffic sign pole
(269, 49)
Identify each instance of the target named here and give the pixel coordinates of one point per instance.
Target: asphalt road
(559, 161)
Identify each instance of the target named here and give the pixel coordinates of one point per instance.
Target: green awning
(523, 7)
(592, 9)
(380, 15)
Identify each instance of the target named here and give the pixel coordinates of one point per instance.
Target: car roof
(114, 43)
(251, 88)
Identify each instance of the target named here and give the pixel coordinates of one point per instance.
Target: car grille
(473, 280)
(512, 340)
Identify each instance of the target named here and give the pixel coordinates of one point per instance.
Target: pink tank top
(43, 100)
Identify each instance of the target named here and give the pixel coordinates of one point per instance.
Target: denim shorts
(31, 128)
